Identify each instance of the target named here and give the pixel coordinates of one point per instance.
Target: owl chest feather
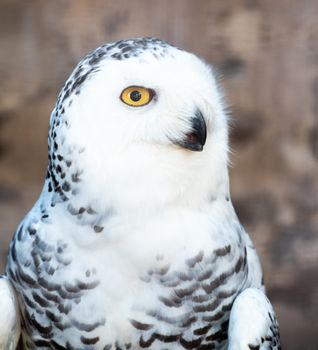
(162, 285)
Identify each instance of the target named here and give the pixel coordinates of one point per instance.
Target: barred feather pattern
(191, 302)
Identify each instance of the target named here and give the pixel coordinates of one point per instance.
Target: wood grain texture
(266, 53)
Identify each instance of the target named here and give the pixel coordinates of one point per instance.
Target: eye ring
(136, 96)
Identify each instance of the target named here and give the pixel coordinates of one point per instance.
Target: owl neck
(136, 180)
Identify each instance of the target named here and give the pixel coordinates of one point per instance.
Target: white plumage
(252, 322)
(9, 316)
(134, 242)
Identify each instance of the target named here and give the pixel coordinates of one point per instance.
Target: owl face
(155, 114)
(159, 101)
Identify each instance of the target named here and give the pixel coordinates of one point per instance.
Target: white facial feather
(120, 140)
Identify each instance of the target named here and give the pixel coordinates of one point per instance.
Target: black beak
(195, 139)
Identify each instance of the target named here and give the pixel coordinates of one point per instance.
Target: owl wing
(9, 316)
(253, 324)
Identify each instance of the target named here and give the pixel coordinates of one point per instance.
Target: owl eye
(136, 96)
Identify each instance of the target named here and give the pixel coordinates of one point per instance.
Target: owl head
(140, 123)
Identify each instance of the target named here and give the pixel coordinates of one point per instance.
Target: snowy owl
(134, 242)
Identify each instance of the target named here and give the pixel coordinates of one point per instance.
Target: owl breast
(191, 305)
(136, 291)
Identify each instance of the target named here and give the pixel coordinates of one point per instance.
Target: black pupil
(135, 95)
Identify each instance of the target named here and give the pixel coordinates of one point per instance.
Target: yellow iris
(136, 96)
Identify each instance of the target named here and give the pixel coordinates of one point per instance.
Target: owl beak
(195, 139)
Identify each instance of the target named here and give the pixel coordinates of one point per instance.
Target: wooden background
(267, 55)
